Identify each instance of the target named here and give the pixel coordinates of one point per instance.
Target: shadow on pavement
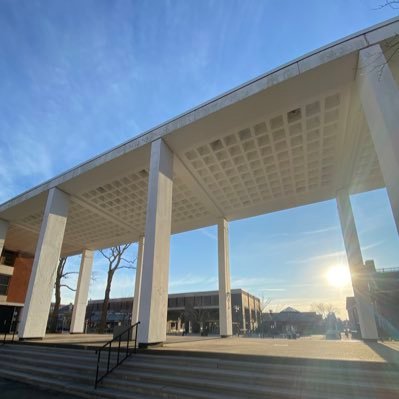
(390, 355)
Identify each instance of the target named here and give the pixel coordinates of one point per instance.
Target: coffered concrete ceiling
(293, 136)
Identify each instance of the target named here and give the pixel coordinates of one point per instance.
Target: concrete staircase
(164, 375)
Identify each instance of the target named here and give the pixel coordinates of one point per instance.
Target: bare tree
(61, 276)
(390, 46)
(264, 303)
(394, 4)
(116, 261)
(323, 309)
(196, 315)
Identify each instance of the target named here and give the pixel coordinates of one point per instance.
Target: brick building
(15, 270)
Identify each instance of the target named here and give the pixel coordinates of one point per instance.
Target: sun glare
(338, 276)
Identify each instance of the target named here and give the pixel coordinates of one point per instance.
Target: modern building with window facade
(191, 312)
(383, 285)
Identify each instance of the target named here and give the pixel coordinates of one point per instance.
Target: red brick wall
(20, 279)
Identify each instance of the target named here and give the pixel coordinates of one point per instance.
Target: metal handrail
(13, 332)
(119, 360)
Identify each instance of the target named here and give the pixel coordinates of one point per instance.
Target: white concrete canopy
(293, 136)
(82, 293)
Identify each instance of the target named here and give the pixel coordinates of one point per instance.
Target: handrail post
(109, 355)
(127, 344)
(119, 348)
(98, 365)
(135, 339)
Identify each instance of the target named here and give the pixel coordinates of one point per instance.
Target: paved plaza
(314, 347)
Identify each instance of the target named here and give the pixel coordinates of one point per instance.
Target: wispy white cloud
(209, 234)
(339, 255)
(372, 245)
(320, 231)
(23, 158)
(190, 280)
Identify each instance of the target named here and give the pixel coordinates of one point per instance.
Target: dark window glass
(180, 302)
(8, 258)
(198, 301)
(207, 300)
(215, 300)
(189, 301)
(4, 281)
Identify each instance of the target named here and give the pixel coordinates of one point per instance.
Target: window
(172, 302)
(207, 300)
(215, 300)
(180, 302)
(198, 301)
(4, 281)
(8, 258)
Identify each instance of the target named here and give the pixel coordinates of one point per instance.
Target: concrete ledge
(147, 345)
(268, 359)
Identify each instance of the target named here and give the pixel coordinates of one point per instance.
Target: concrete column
(3, 232)
(82, 293)
(355, 261)
(244, 321)
(137, 286)
(153, 305)
(379, 95)
(225, 321)
(42, 279)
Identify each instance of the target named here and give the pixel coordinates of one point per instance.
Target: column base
(225, 336)
(146, 345)
(30, 339)
(70, 332)
(368, 340)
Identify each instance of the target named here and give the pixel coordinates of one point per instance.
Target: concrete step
(322, 380)
(193, 377)
(83, 391)
(258, 371)
(81, 357)
(285, 387)
(58, 374)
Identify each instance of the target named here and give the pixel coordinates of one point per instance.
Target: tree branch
(394, 4)
(67, 286)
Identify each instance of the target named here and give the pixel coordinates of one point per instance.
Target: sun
(338, 276)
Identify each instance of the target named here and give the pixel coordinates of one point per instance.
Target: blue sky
(78, 77)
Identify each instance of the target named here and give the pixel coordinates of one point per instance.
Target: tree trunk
(56, 310)
(104, 310)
